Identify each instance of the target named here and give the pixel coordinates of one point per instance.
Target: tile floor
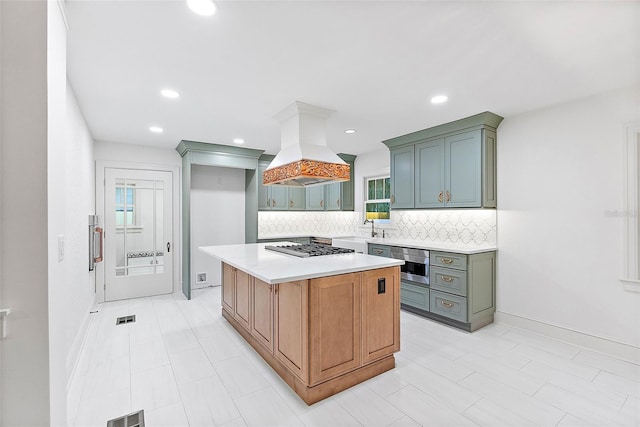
(185, 366)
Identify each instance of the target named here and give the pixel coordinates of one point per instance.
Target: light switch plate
(60, 247)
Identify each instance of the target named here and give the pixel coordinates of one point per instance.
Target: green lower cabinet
(414, 295)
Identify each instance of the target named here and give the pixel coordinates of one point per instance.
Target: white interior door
(138, 250)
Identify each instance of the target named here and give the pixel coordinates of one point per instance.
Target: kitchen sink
(358, 244)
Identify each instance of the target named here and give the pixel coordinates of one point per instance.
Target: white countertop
(274, 267)
(425, 244)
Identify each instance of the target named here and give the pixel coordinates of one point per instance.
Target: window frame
(367, 179)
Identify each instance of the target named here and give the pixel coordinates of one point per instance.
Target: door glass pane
(139, 229)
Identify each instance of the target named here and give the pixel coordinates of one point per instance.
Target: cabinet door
(380, 313)
(290, 327)
(463, 170)
(334, 194)
(264, 192)
(262, 313)
(402, 177)
(243, 299)
(430, 186)
(297, 198)
(315, 198)
(279, 198)
(228, 284)
(334, 326)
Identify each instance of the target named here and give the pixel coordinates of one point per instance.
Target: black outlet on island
(381, 285)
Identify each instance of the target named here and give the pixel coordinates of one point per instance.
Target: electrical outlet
(60, 247)
(201, 277)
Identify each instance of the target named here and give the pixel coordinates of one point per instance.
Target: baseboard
(200, 286)
(77, 346)
(602, 345)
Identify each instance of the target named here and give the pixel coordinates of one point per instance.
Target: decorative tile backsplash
(275, 224)
(475, 227)
(467, 227)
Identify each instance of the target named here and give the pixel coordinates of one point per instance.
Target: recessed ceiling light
(439, 99)
(350, 131)
(156, 129)
(202, 7)
(169, 93)
(238, 141)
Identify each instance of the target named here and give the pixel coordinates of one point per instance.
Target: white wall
(132, 153)
(25, 387)
(77, 294)
(560, 249)
(217, 215)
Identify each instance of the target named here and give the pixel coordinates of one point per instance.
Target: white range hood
(304, 159)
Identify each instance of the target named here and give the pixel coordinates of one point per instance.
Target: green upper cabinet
(338, 196)
(447, 166)
(276, 198)
(402, 177)
(429, 175)
(315, 198)
(297, 196)
(328, 197)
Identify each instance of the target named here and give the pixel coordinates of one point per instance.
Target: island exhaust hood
(304, 159)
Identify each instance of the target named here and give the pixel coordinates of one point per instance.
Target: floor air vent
(125, 319)
(135, 419)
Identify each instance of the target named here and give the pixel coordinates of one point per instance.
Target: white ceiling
(376, 63)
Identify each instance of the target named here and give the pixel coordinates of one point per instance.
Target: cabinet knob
(448, 196)
(440, 197)
(290, 203)
(321, 203)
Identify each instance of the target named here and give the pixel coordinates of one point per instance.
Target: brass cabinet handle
(446, 304)
(393, 199)
(321, 203)
(273, 202)
(447, 279)
(379, 251)
(290, 203)
(446, 261)
(338, 201)
(440, 197)
(448, 196)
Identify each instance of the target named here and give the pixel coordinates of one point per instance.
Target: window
(125, 205)
(376, 204)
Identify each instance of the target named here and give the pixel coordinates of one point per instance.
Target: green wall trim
(186, 145)
(202, 153)
(487, 119)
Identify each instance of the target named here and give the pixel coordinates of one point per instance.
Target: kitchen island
(323, 323)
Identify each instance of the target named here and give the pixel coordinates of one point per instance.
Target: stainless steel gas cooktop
(308, 250)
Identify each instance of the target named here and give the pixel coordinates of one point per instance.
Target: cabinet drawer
(449, 260)
(448, 280)
(414, 295)
(448, 305)
(380, 250)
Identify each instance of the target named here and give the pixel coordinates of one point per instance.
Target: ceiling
(376, 63)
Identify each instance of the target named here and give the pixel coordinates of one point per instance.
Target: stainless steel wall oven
(416, 264)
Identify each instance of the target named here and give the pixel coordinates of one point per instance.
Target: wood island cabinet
(320, 335)
(262, 313)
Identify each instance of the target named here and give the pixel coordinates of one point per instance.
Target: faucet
(374, 233)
